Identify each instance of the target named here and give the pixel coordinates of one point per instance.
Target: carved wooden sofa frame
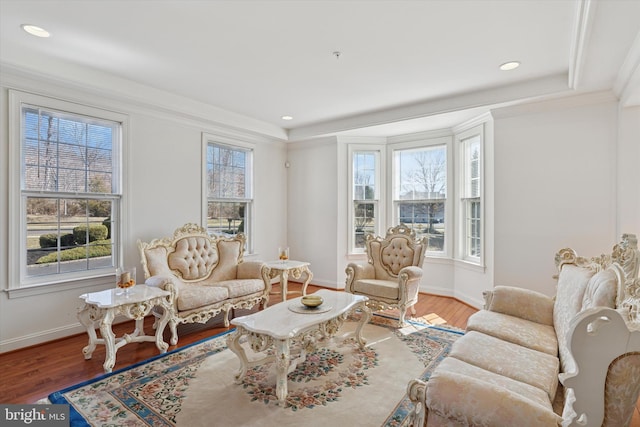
(205, 275)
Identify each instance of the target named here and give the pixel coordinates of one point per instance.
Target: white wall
(555, 186)
(164, 193)
(628, 171)
(312, 209)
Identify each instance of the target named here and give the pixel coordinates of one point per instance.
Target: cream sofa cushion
(378, 288)
(511, 360)
(519, 331)
(466, 395)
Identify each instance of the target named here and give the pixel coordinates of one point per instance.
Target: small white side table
(102, 307)
(290, 268)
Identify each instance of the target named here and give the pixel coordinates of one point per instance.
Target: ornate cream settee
(529, 360)
(205, 275)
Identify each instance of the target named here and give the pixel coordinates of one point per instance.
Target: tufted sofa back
(399, 249)
(194, 258)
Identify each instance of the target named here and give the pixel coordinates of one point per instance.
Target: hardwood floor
(33, 373)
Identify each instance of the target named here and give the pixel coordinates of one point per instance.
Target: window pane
(64, 153)
(420, 192)
(364, 176)
(427, 219)
(364, 222)
(68, 234)
(227, 172)
(421, 173)
(227, 218)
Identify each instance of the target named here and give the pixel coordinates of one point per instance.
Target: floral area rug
(337, 384)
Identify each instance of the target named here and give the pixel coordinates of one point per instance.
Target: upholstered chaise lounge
(530, 360)
(205, 275)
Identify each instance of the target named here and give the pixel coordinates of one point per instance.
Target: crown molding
(585, 11)
(121, 93)
(555, 104)
(627, 84)
(515, 92)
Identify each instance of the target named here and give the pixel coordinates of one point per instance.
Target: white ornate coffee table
(290, 268)
(102, 307)
(288, 325)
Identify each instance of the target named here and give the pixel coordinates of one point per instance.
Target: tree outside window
(68, 190)
(229, 189)
(421, 190)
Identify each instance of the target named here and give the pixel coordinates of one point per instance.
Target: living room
(560, 139)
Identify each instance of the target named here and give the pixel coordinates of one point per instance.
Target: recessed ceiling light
(35, 30)
(511, 65)
(287, 117)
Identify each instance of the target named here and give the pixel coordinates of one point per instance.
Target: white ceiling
(399, 59)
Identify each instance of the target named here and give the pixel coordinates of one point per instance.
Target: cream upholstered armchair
(391, 278)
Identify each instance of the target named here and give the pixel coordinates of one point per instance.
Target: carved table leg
(284, 284)
(307, 281)
(161, 324)
(283, 359)
(109, 340)
(233, 342)
(84, 317)
(364, 319)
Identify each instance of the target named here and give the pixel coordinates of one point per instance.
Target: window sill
(34, 290)
(471, 266)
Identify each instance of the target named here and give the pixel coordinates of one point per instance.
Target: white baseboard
(42, 337)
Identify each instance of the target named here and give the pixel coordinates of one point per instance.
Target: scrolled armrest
(417, 393)
(250, 270)
(357, 272)
(412, 272)
(519, 302)
(167, 283)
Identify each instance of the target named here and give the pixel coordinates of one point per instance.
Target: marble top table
(102, 307)
(289, 325)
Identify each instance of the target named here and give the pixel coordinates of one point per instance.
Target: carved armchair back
(398, 249)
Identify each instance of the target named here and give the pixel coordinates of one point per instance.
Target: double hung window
(420, 192)
(365, 196)
(470, 200)
(229, 184)
(69, 190)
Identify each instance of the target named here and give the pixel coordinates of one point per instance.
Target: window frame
(234, 144)
(415, 142)
(463, 201)
(379, 153)
(20, 284)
